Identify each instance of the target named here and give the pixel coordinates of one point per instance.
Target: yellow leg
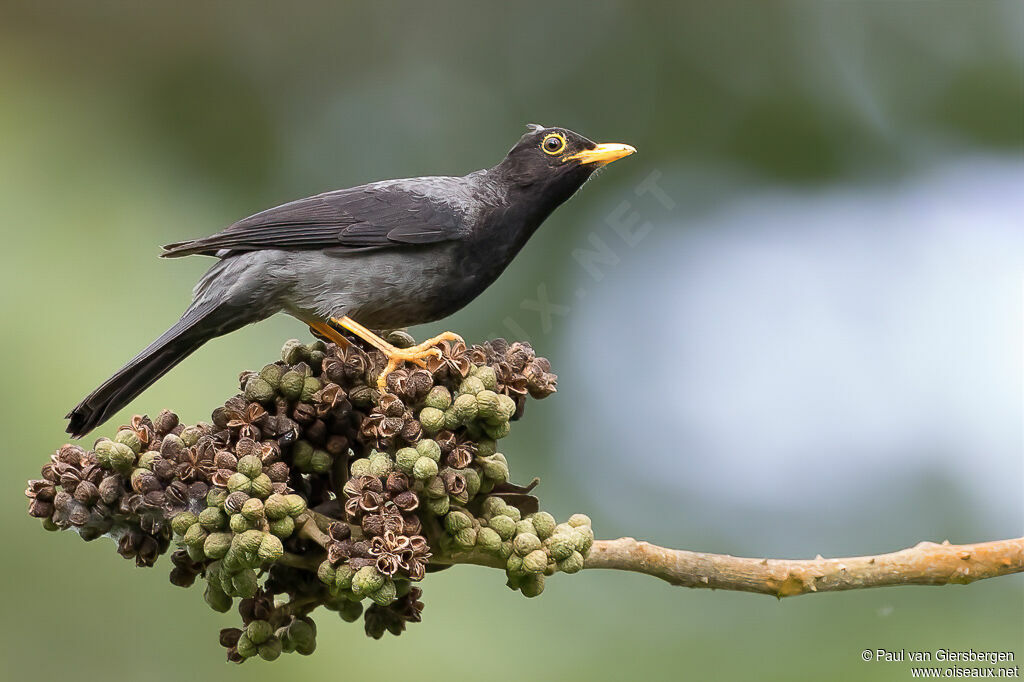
(330, 333)
(396, 356)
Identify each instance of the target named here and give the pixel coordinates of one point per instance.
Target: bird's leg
(329, 333)
(396, 356)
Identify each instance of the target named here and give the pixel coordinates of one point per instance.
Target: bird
(380, 256)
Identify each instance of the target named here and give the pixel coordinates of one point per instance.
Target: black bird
(390, 254)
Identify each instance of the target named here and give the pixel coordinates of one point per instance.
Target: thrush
(385, 255)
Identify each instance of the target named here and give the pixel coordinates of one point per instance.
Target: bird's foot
(396, 356)
(416, 354)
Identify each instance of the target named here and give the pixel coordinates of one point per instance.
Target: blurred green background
(129, 125)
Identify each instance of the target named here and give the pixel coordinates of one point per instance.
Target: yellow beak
(602, 153)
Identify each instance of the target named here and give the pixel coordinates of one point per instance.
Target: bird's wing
(371, 216)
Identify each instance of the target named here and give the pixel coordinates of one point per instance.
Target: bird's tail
(198, 325)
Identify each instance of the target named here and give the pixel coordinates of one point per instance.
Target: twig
(927, 563)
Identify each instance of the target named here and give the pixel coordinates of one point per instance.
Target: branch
(927, 563)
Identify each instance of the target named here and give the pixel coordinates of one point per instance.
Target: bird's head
(555, 162)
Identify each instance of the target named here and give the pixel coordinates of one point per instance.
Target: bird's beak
(602, 153)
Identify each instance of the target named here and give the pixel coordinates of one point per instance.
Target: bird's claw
(415, 355)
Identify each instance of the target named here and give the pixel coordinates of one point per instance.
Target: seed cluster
(311, 487)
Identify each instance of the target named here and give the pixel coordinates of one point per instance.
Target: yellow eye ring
(553, 144)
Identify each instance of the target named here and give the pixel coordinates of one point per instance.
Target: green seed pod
(302, 634)
(270, 650)
(494, 468)
(252, 510)
(213, 519)
(385, 595)
(508, 407)
(310, 385)
(103, 449)
(561, 546)
(272, 375)
(361, 467)
(438, 506)
(248, 542)
(526, 543)
(181, 522)
(350, 611)
(380, 464)
(343, 577)
(239, 524)
(465, 408)
(465, 538)
(429, 448)
(292, 383)
(195, 536)
(245, 583)
(513, 513)
(525, 526)
(302, 452)
(532, 585)
(366, 581)
(326, 573)
(456, 521)
(190, 435)
(424, 469)
(544, 523)
(434, 488)
(258, 390)
(536, 561)
(405, 458)
(195, 552)
(217, 545)
(270, 549)
(439, 398)
(293, 352)
(572, 564)
(470, 386)
(275, 507)
(488, 540)
(431, 419)
(145, 460)
(504, 526)
(283, 528)
(497, 431)
(320, 462)
(213, 572)
(584, 539)
(296, 504)
(485, 447)
(451, 419)
(261, 486)
(122, 457)
(493, 506)
(231, 563)
(239, 482)
(487, 377)
(514, 565)
(577, 520)
(259, 631)
(488, 407)
(472, 481)
(245, 647)
(216, 497)
(250, 466)
(218, 600)
(129, 438)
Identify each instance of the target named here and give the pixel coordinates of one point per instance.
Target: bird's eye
(553, 144)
